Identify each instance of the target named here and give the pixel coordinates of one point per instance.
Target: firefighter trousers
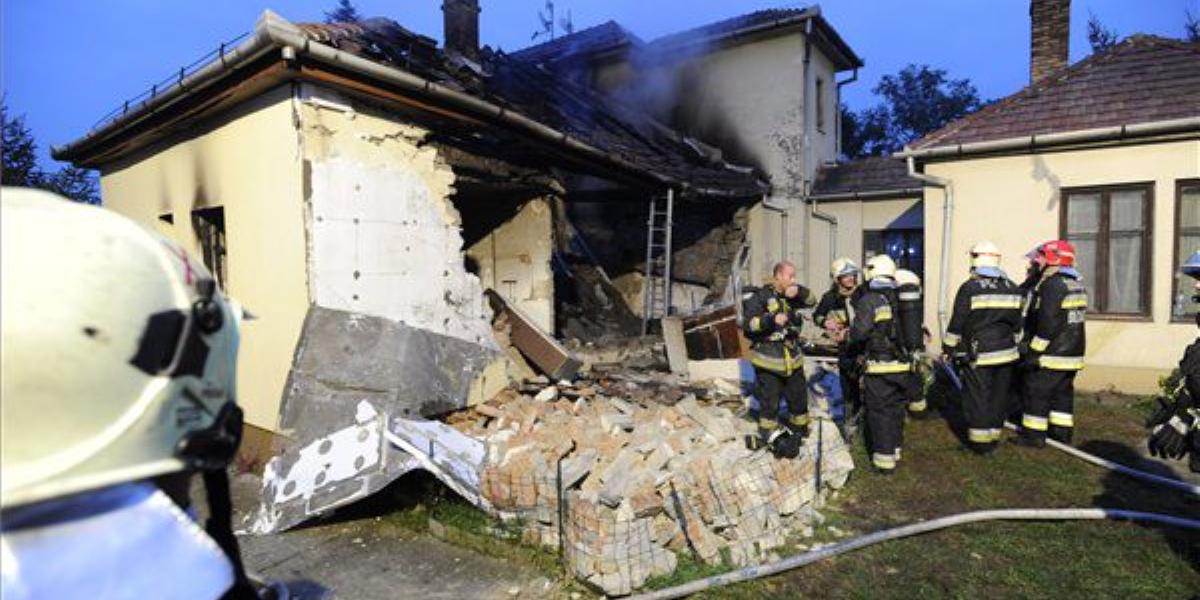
(1049, 404)
(770, 386)
(886, 400)
(985, 403)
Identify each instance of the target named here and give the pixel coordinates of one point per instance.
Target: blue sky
(67, 63)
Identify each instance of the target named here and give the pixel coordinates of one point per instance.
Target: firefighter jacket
(834, 303)
(986, 322)
(1054, 324)
(775, 347)
(1189, 367)
(911, 317)
(875, 332)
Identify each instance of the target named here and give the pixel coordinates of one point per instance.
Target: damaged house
(359, 188)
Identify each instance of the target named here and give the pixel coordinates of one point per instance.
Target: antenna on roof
(567, 25)
(547, 20)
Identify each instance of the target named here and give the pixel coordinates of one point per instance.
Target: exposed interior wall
(383, 235)
(514, 259)
(248, 162)
(1014, 202)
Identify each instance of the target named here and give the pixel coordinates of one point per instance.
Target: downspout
(947, 218)
(806, 143)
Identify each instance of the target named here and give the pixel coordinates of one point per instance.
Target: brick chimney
(1048, 44)
(461, 26)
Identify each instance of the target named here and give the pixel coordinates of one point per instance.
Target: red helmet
(1058, 253)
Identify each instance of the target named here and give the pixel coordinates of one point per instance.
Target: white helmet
(880, 265)
(906, 277)
(843, 266)
(985, 254)
(119, 353)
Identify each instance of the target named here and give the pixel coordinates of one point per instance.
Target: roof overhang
(278, 51)
(1136, 133)
(868, 195)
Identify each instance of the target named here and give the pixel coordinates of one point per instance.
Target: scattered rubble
(637, 469)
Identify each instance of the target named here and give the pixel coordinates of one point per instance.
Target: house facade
(1104, 153)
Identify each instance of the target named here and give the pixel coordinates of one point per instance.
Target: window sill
(1126, 318)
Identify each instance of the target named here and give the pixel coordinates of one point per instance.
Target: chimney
(1049, 42)
(461, 26)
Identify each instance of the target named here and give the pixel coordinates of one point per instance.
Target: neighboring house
(1104, 153)
(870, 206)
(762, 87)
(358, 188)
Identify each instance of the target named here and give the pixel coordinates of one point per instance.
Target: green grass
(1004, 560)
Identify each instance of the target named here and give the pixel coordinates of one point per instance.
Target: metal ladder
(656, 293)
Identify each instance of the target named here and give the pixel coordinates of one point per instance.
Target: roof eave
(1129, 133)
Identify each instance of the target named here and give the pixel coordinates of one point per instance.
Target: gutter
(1036, 142)
(273, 30)
(944, 266)
(871, 195)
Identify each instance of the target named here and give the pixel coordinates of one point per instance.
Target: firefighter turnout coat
(775, 347)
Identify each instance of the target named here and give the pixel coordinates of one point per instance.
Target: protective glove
(1172, 426)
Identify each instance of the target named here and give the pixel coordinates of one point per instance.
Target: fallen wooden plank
(540, 348)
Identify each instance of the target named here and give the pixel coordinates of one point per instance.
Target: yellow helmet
(843, 266)
(880, 265)
(119, 353)
(985, 254)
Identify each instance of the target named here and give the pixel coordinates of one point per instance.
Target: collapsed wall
(625, 481)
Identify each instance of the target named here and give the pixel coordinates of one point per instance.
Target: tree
(916, 101)
(1100, 37)
(1191, 26)
(344, 13)
(20, 166)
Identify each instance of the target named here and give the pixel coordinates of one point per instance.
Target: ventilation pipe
(947, 218)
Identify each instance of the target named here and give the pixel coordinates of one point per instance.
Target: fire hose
(1021, 514)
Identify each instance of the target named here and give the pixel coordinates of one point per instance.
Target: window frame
(917, 233)
(1098, 290)
(819, 105)
(208, 225)
(1177, 235)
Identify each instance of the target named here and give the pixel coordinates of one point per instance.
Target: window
(1187, 241)
(210, 230)
(1111, 227)
(905, 246)
(820, 105)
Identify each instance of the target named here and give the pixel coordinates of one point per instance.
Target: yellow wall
(248, 163)
(853, 217)
(1014, 202)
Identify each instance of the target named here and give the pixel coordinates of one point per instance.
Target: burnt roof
(1143, 79)
(608, 35)
(871, 174)
(554, 101)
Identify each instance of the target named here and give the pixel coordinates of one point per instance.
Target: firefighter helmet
(843, 266)
(119, 353)
(985, 254)
(906, 277)
(880, 265)
(1060, 253)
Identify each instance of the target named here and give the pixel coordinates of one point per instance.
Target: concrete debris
(636, 478)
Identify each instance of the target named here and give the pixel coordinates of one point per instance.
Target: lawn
(1084, 559)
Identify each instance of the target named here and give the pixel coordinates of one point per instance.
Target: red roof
(1143, 79)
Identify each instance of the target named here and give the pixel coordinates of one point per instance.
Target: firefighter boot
(1030, 439)
(1061, 434)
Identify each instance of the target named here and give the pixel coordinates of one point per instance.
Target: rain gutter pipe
(947, 219)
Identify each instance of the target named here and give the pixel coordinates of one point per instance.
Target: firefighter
(875, 336)
(981, 340)
(911, 320)
(118, 387)
(772, 320)
(833, 313)
(1054, 352)
(1175, 426)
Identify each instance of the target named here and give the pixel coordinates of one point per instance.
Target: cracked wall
(514, 260)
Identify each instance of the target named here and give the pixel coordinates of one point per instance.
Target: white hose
(1175, 484)
(1015, 514)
